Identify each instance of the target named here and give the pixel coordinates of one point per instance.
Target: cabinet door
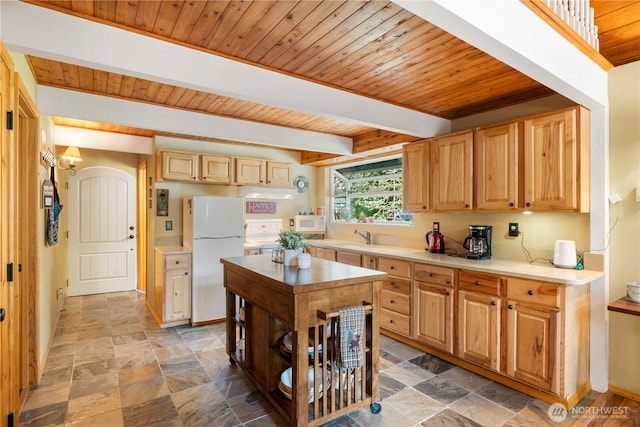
(177, 295)
(217, 169)
(250, 171)
(496, 153)
(179, 166)
(452, 172)
(279, 174)
(550, 162)
(325, 253)
(434, 316)
(350, 258)
(479, 329)
(532, 334)
(415, 177)
(370, 262)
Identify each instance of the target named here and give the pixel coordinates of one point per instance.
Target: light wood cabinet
(324, 253)
(279, 174)
(415, 176)
(351, 258)
(479, 319)
(173, 288)
(451, 164)
(250, 252)
(434, 296)
(556, 161)
(370, 262)
(262, 172)
(217, 169)
(498, 163)
(250, 171)
(179, 166)
(396, 296)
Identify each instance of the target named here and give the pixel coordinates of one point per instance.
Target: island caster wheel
(376, 407)
(233, 362)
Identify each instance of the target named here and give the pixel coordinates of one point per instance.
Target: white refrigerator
(213, 228)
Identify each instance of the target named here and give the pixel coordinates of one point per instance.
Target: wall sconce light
(71, 155)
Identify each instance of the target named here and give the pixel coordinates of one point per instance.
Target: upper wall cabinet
(263, 172)
(250, 171)
(279, 174)
(556, 161)
(179, 166)
(539, 163)
(497, 155)
(415, 176)
(217, 169)
(452, 172)
(221, 169)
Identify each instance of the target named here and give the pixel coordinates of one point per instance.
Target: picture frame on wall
(162, 204)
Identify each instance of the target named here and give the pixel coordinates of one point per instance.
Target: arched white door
(102, 220)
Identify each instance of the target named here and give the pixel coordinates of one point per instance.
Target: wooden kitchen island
(269, 303)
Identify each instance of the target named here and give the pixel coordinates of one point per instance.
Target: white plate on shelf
(287, 343)
(286, 380)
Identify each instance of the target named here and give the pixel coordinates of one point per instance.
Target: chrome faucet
(366, 235)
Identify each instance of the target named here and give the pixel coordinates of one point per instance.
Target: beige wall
(624, 152)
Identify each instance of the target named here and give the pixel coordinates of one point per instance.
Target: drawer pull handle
(393, 284)
(447, 293)
(510, 306)
(493, 303)
(391, 321)
(186, 273)
(177, 262)
(392, 301)
(392, 268)
(477, 283)
(530, 292)
(431, 274)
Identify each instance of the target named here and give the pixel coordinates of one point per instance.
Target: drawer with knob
(480, 282)
(397, 284)
(434, 274)
(395, 267)
(395, 322)
(533, 291)
(395, 301)
(177, 261)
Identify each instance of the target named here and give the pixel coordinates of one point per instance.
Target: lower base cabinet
(479, 329)
(172, 288)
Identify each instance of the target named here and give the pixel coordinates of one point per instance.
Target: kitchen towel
(351, 326)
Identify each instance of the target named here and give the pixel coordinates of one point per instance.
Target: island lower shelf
(284, 333)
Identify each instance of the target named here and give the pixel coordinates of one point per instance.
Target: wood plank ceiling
(375, 49)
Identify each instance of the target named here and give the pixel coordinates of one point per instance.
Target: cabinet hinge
(10, 120)
(10, 272)
(66, 185)
(10, 419)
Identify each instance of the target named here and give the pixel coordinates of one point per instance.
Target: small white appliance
(564, 254)
(310, 223)
(263, 233)
(212, 229)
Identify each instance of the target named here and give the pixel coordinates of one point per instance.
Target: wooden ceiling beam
(379, 138)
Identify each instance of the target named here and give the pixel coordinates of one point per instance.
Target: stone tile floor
(111, 365)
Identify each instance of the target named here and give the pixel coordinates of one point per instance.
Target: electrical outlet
(291, 223)
(513, 229)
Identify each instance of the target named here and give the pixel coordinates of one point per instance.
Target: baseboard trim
(625, 393)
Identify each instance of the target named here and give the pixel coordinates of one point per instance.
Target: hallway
(111, 365)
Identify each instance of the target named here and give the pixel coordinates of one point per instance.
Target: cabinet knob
(392, 302)
(477, 283)
(186, 273)
(511, 204)
(431, 274)
(194, 178)
(493, 303)
(393, 284)
(392, 268)
(530, 292)
(391, 321)
(177, 262)
(447, 293)
(424, 207)
(204, 177)
(528, 204)
(466, 206)
(510, 306)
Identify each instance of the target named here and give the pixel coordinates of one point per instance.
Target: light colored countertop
(524, 270)
(173, 250)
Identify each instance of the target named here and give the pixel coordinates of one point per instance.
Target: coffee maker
(478, 242)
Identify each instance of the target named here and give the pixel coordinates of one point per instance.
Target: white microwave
(310, 223)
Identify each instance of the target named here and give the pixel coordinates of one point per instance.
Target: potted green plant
(292, 242)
